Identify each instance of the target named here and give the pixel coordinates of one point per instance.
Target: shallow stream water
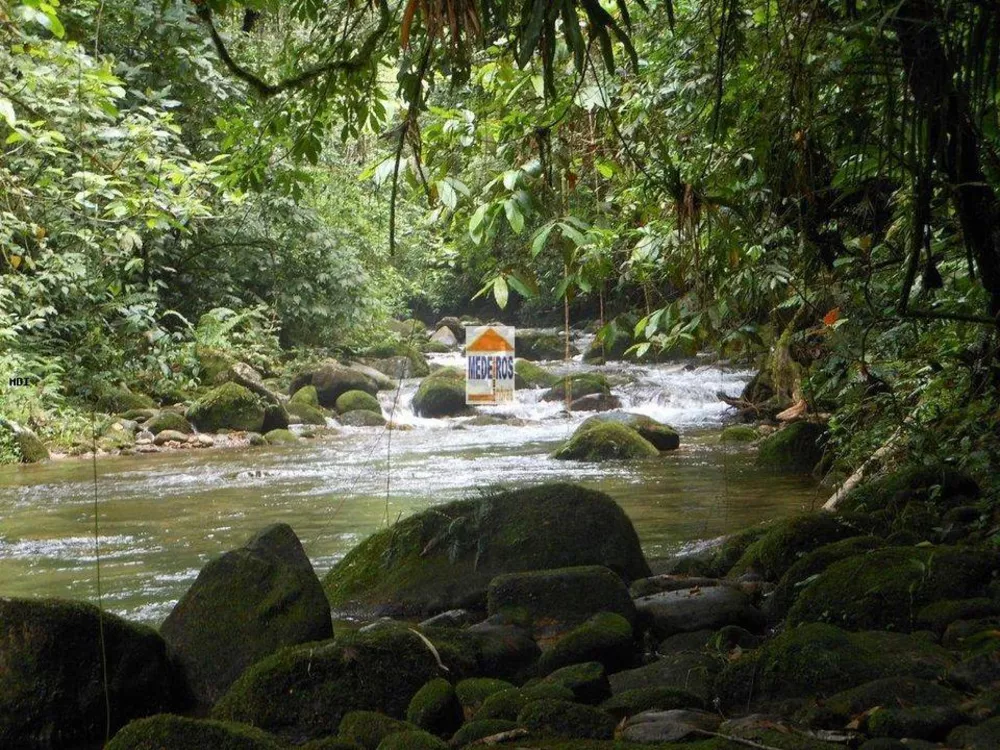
(162, 516)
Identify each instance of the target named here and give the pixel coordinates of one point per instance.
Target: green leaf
(538, 244)
(7, 112)
(514, 216)
(500, 291)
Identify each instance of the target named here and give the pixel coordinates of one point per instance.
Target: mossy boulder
(818, 660)
(555, 718)
(115, 399)
(529, 375)
(686, 669)
(578, 386)
(305, 395)
(165, 731)
(303, 413)
(606, 638)
(28, 448)
(887, 588)
(303, 692)
(787, 540)
(331, 380)
(412, 740)
(243, 606)
(984, 736)
(841, 707)
(276, 417)
(367, 729)
(540, 345)
(474, 691)
(168, 420)
(507, 704)
(280, 437)
(480, 729)
(662, 436)
(739, 433)
(798, 446)
(435, 708)
(631, 702)
(229, 406)
(361, 418)
(446, 557)
(605, 441)
(698, 608)
(913, 722)
(562, 598)
(441, 394)
(587, 681)
(357, 401)
(939, 615)
(52, 673)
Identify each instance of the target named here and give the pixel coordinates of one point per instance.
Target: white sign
(489, 364)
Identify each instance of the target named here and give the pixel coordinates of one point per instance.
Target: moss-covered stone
(303, 413)
(605, 442)
(818, 660)
(588, 681)
(984, 736)
(662, 436)
(632, 702)
(280, 437)
(435, 708)
(115, 399)
(412, 740)
(538, 345)
(886, 588)
(367, 729)
(445, 558)
(585, 384)
(357, 400)
(168, 420)
(555, 718)
(563, 597)
(739, 433)
(52, 673)
(231, 407)
(939, 615)
(166, 731)
(306, 395)
(331, 379)
(479, 729)
(789, 539)
(913, 722)
(529, 375)
(606, 638)
(686, 669)
(329, 743)
(507, 704)
(473, 691)
(361, 418)
(276, 416)
(798, 446)
(888, 691)
(27, 447)
(441, 394)
(302, 692)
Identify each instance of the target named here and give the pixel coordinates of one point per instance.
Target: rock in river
(687, 610)
(245, 605)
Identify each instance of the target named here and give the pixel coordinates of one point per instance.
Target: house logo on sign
(489, 364)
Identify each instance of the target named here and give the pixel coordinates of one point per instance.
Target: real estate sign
(489, 364)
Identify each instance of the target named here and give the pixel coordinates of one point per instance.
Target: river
(162, 516)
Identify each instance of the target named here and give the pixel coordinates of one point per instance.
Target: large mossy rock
(303, 692)
(606, 638)
(52, 679)
(301, 413)
(28, 448)
(556, 718)
(529, 375)
(331, 380)
(799, 446)
(887, 588)
(166, 731)
(357, 401)
(167, 420)
(819, 660)
(662, 436)
(441, 394)
(435, 708)
(230, 407)
(361, 418)
(578, 386)
(245, 605)
(605, 441)
(116, 399)
(539, 345)
(444, 558)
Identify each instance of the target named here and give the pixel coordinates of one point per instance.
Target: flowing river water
(162, 516)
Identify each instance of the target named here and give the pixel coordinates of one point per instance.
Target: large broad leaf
(500, 291)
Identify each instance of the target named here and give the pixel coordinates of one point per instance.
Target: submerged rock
(596, 402)
(243, 606)
(52, 674)
(230, 406)
(739, 433)
(446, 557)
(605, 441)
(441, 394)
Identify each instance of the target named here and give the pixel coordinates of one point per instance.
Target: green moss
(412, 740)
(20, 445)
(662, 436)
(818, 660)
(798, 446)
(529, 375)
(588, 681)
(541, 346)
(368, 728)
(441, 394)
(739, 433)
(913, 722)
(329, 743)
(655, 698)
(984, 736)
(578, 386)
(789, 539)
(445, 558)
(507, 704)
(472, 692)
(280, 437)
(357, 400)
(557, 718)
(115, 399)
(304, 691)
(939, 615)
(889, 691)
(168, 420)
(886, 588)
(477, 730)
(305, 413)
(604, 442)
(606, 638)
(435, 708)
(306, 395)
(361, 418)
(230, 406)
(169, 731)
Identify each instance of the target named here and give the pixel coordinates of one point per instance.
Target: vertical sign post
(489, 365)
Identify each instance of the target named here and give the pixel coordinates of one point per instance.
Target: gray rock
(444, 336)
(669, 726)
(168, 436)
(685, 610)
